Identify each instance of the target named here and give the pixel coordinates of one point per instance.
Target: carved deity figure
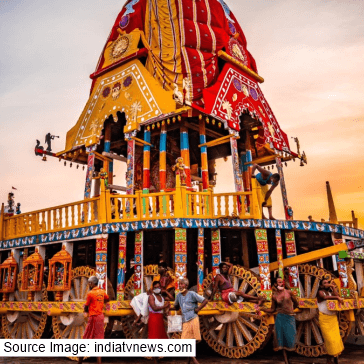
(179, 168)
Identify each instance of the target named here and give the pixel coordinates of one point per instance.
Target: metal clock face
(120, 46)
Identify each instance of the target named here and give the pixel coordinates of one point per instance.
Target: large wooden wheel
(25, 324)
(310, 342)
(236, 334)
(133, 332)
(72, 326)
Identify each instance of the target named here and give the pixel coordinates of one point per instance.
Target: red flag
(13, 188)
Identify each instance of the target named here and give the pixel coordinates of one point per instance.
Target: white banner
(98, 348)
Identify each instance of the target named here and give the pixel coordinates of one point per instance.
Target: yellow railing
(69, 216)
(236, 204)
(141, 206)
(109, 208)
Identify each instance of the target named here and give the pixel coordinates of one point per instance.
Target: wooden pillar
(138, 263)
(200, 260)
(236, 165)
(246, 157)
(180, 255)
(163, 157)
(101, 261)
(237, 173)
(204, 159)
(108, 166)
(279, 253)
(342, 269)
(263, 261)
(245, 248)
(89, 173)
(185, 154)
(130, 165)
(216, 251)
(294, 278)
(287, 209)
(121, 267)
(146, 160)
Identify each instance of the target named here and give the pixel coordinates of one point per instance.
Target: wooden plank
(141, 141)
(213, 143)
(117, 188)
(115, 156)
(308, 257)
(102, 157)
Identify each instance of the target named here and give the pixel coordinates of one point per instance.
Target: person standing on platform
(264, 179)
(94, 305)
(188, 302)
(328, 321)
(284, 302)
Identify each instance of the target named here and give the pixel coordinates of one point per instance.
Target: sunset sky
(310, 54)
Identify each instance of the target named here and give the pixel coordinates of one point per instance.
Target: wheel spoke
(13, 329)
(308, 334)
(221, 335)
(316, 332)
(307, 285)
(84, 283)
(248, 323)
(35, 316)
(214, 325)
(238, 336)
(229, 336)
(315, 287)
(243, 329)
(76, 284)
(244, 286)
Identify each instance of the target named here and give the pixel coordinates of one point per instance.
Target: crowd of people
(152, 306)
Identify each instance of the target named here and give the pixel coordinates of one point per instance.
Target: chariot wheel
(25, 324)
(236, 334)
(309, 340)
(133, 332)
(72, 325)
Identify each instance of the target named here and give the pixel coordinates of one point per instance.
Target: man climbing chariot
(265, 178)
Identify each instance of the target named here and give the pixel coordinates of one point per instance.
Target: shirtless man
(266, 178)
(228, 293)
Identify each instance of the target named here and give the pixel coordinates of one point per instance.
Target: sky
(310, 53)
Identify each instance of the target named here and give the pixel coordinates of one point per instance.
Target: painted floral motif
(106, 92)
(124, 21)
(253, 94)
(232, 28)
(237, 84)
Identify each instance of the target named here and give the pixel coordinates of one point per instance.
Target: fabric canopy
(236, 92)
(130, 89)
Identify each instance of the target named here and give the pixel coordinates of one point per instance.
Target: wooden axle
(309, 257)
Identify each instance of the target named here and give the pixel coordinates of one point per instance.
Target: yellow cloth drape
(261, 196)
(329, 326)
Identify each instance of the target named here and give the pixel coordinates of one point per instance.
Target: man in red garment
(95, 300)
(228, 293)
